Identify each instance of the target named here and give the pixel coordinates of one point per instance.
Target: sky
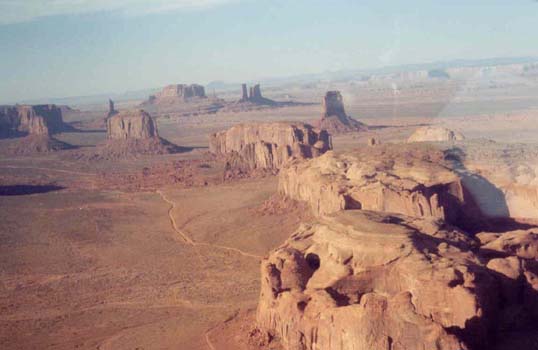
(64, 48)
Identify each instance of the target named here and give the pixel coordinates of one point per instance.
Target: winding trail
(189, 241)
(208, 341)
(186, 238)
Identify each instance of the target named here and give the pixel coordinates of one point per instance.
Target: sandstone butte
(36, 124)
(334, 118)
(370, 280)
(32, 120)
(269, 145)
(435, 134)
(132, 132)
(178, 93)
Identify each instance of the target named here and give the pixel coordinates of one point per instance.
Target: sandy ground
(88, 267)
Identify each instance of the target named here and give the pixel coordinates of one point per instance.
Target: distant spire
(111, 110)
(244, 97)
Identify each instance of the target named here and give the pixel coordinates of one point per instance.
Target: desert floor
(90, 265)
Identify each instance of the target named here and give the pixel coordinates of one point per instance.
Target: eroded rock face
(518, 243)
(135, 124)
(334, 117)
(178, 93)
(409, 182)
(130, 133)
(31, 120)
(255, 93)
(254, 96)
(111, 109)
(365, 280)
(435, 134)
(370, 280)
(244, 95)
(269, 145)
(503, 178)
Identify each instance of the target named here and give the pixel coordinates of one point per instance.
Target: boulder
(520, 243)
(367, 280)
(334, 117)
(269, 145)
(435, 134)
(407, 181)
(513, 257)
(373, 141)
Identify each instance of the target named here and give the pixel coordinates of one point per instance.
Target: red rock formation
(134, 132)
(269, 145)
(244, 96)
(404, 181)
(255, 93)
(371, 280)
(334, 117)
(111, 110)
(365, 280)
(254, 96)
(136, 124)
(36, 124)
(178, 93)
(31, 120)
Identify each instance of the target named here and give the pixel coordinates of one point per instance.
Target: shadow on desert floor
(23, 190)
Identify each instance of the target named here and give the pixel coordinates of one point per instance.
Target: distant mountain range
(339, 75)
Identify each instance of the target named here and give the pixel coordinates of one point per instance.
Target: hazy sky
(59, 48)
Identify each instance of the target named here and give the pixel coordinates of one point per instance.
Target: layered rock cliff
(31, 120)
(502, 178)
(269, 145)
(31, 128)
(398, 180)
